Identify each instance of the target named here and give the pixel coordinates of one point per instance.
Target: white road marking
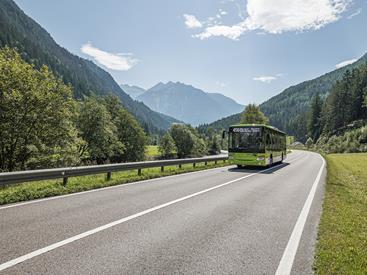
(109, 187)
(117, 222)
(286, 263)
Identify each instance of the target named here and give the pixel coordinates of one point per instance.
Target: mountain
(228, 103)
(188, 103)
(38, 47)
(288, 110)
(133, 91)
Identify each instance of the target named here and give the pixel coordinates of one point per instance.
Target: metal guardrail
(64, 173)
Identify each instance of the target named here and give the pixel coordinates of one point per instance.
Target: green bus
(256, 145)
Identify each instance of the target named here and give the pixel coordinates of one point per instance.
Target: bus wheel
(271, 161)
(239, 166)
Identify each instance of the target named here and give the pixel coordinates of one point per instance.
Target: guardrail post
(109, 176)
(65, 173)
(65, 181)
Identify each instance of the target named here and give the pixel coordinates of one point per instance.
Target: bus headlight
(258, 159)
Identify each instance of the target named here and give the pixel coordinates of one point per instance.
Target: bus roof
(258, 125)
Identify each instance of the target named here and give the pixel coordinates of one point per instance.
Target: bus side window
(268, 141)
(271, 141)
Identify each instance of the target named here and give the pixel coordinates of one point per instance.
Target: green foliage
(36, 112)
(351, 141)
(37, 47)
(187, 141)
(253, 115)
(342, 238)
(314, 125)
(341, 114)
(129, 132)
(42, 189)
(214, 145)
(219, 125)
(289, 110)
(42, 126)
(309, 143)
(152, 152)
(290, 140)
(167, 146)
(99, 132)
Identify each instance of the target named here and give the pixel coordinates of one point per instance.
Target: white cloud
(284, 16)
(345, 63)
(192, 22)
(265, 79)
(357, 12)
(231, 32)
(118, 62)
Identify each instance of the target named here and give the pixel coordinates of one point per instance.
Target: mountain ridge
(188, 103)
(37, 46)
(288, 109)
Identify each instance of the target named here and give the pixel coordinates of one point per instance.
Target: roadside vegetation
(151, 152)
(49, 188)
(44, 126)
(338, 123)
(342, 236)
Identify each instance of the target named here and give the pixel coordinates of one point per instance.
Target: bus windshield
(245, 140)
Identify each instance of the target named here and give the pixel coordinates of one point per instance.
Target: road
(218, 221)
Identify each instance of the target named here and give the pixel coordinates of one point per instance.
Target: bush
(309, 143)
(348, 142)
(167, 146)
(187, 141)
(214, 145)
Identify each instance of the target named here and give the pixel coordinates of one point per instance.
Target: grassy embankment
(342, 237)
(48, 188)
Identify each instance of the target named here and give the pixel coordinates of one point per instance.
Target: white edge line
(117, 222)
(109, 187)
(286, 263)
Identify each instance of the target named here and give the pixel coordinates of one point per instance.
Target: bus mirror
(223, 134)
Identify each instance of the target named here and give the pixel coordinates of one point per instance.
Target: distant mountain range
(288, 110)
(133, 91)
(185, 102)
(36, 46)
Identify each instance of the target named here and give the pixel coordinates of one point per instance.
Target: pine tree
(314, 121)
(253, 115)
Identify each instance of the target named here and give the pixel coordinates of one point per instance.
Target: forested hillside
(337, 124)
(288, 110)
(36, 46)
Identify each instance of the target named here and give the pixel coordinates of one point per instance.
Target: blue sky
(248, 50)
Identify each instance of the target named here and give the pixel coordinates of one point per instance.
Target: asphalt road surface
(218, 221)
